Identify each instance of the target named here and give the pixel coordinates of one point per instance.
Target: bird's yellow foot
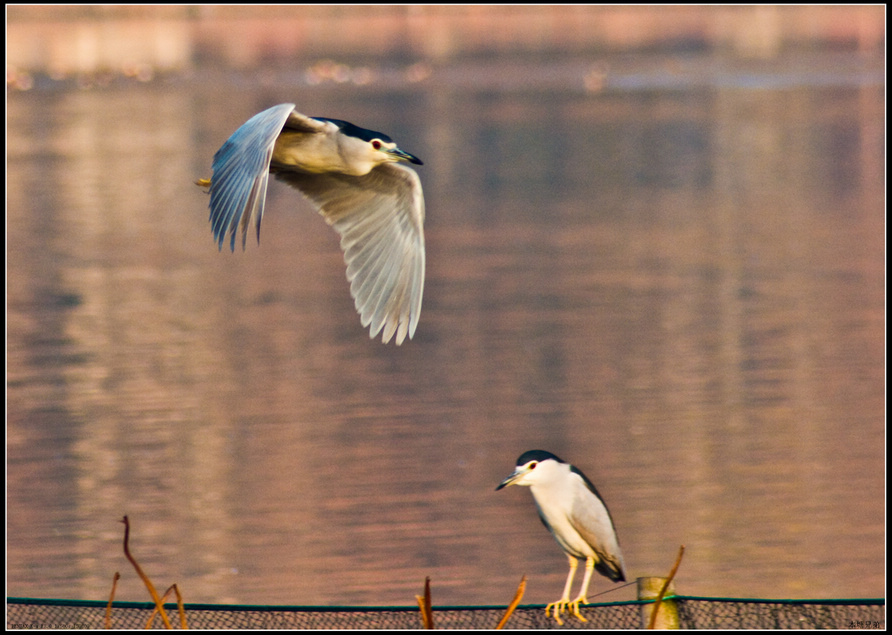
(203, 182)
(573, 608)
(559, 607)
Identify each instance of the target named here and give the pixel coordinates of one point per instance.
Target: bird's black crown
(352, 130)
(537, 455)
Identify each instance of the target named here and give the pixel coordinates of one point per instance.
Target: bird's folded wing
(380, 218)
(241, 174)
(592, 520)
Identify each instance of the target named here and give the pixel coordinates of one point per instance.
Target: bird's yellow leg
(203, 182)
(561, 604)
(573, 607)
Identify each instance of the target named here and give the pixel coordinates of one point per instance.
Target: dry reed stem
(180, 608)
(518, 596)
(111, 599)
(155, 610)
(173, 588)
(143, 576)
(659, 600)
(424, 604)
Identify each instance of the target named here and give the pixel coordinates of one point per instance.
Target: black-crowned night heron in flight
(352, 175)
(573, 511)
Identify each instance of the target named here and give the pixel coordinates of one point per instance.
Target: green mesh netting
(693, 613)
(715, 613)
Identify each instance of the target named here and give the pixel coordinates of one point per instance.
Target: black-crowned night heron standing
(573, 511)
(352, 176)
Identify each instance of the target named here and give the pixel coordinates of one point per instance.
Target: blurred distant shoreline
(66, 41)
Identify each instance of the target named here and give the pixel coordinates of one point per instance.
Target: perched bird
(354, 177)
(576, 515)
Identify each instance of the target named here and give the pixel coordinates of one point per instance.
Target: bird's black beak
(405, 156)
(508, 481)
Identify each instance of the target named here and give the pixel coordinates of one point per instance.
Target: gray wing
(380, 218)
(241, 172)
(592, 520)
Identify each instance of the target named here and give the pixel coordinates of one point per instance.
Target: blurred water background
(659, 257)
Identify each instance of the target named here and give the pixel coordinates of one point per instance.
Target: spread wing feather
(380, 218)
(241, 174)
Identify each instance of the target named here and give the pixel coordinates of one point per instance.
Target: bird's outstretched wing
(241, 172)
(380, 218)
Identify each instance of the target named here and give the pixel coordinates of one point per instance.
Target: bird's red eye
(376, 144)
(533, 465)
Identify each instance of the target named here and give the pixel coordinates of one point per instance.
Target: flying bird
(357, 180)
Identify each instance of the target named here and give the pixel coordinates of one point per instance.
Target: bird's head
(535, 466)
(369, 147)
